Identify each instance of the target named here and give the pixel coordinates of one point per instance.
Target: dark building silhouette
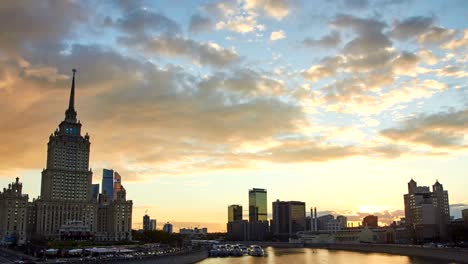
(288, 219)
(234, 212)
(146, 222)
(370, 221)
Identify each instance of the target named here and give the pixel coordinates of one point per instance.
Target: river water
(320, 256)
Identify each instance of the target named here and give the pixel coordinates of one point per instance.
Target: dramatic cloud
(328, 41)
(24, 25)
(411, 27)
(200, 53)
(442, 130)
(199, 23)
(274, 8)
(144, 21)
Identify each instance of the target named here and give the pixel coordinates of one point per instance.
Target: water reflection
(319, 256)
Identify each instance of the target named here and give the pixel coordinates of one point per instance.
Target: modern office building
(234, 213)
(370, 221)
(167, 228)
(288, 219)
(343, 221)
(152, 224)
(117, 184)
(258, 205)
(95, 191)
(146, 222)
(14, 211)
(427, 213)
(108, 183)
(322, 222)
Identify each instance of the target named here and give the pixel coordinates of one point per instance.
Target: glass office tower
(234, 213)
(108, 183)
(258, 205)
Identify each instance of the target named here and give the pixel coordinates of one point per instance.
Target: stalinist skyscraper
(66, 182)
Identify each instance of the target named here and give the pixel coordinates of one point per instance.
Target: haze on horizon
(337, 104)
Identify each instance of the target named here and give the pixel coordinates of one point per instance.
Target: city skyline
(335, 104)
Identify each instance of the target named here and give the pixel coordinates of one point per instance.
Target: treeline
(158, 236)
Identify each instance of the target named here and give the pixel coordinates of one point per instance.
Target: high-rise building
(66, 181)
(117, 184)
(108, 183)
(167, 228)
(114, 217)
(370, 221)
(67, 206)
(288, 219)
(146, 222)
(427, 213)
(258, 205)
(234, 213)
(152, 224)
(14, 211)
(465, 216)
(95, 191)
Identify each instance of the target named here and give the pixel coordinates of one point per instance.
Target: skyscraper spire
(70, 114)
(71, 104)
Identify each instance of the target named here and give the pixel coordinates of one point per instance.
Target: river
(320, 256)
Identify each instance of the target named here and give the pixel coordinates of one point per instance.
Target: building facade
(370, 221)
(258, 205)
(146, 222)
(108, 183)
(234, 213)
(427, 212)
(14, 214)
(68, 203)
(168, 228)
(66, 181)
(288, 219)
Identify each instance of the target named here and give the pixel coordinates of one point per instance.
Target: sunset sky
(335, 103)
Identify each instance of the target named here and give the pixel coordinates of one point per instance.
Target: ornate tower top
(70, 114)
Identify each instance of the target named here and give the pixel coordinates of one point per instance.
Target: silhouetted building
(427, 213)
(152, 224)
(465, 216)
(322, 222)
(95, 191)
(14, 211)
(234, 212)
(108, 183)
(146, 222)
(288, 219)
(238, 230)
(114, 217)
(167, 228)
(259, 231)
(343, 221)
(370, 221)
(258, 205)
